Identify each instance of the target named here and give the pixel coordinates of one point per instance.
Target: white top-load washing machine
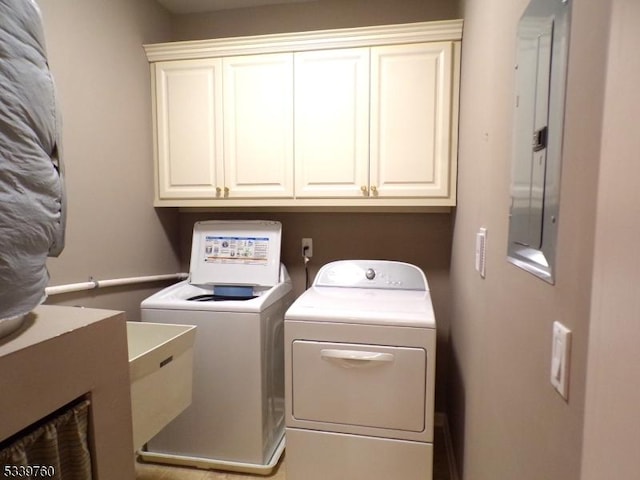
(236, 294)
(360, 351)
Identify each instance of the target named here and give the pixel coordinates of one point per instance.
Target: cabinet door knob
(218, 191)
(374, 190)
(226, 191)
(365, 190)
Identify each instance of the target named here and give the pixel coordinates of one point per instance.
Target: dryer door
(359, 385)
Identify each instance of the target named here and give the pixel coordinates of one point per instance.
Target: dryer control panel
(382, 274)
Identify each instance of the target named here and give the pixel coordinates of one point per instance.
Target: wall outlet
(560, 355)
(307, 247)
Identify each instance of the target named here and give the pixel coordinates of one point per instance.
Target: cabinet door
(258, 128)
(188, 111)
(332, 123)
(411, 98)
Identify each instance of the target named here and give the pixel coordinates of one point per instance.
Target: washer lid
(229, 252)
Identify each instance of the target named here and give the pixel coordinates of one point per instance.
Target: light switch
(560, 354)
(481, 251)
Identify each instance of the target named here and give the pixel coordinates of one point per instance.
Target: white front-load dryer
(360, 349)
(236, 295)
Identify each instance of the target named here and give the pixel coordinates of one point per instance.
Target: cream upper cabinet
(258, 125)
(188, 112)
(332, 123)
(225, 127)
(411, 111)
(351, 118)
(374, 122)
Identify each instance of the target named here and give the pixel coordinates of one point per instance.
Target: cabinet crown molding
(445, 30)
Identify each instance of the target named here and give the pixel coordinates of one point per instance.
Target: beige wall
(102, 78)
(612, 425)
(305, 16)
(508, 422)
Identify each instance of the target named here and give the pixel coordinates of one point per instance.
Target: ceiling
(198, 6)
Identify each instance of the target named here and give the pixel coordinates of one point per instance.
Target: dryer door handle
(356, 358)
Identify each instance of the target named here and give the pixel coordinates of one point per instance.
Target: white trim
(116, 282)
(445, 30)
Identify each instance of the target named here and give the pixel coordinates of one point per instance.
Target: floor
(147, 471)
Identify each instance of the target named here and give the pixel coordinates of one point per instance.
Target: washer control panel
(383, 274)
